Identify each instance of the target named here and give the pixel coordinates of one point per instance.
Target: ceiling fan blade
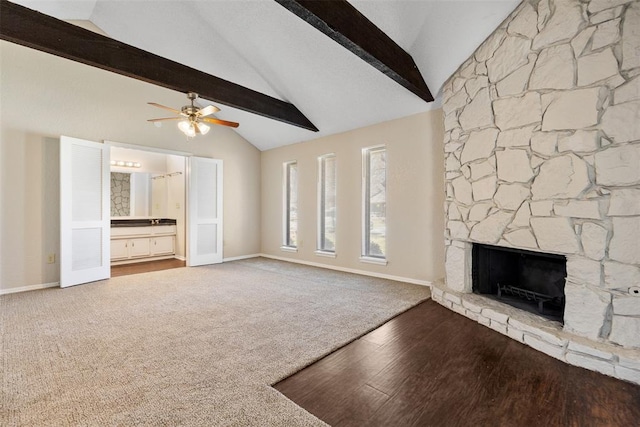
(166, 108)
(165, 118)
(208, 110)
(220, 122)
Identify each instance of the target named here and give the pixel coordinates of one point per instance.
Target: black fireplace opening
(527, 280)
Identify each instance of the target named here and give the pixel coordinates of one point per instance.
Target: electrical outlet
(301, 243)
(177, 205)
(51, 259)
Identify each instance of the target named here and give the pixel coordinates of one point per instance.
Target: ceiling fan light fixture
(203, 128)
(191, 117)
(187, 128)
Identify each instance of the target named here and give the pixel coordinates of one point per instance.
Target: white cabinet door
(119, 249)
(204, 226)
(139, 247)
(163, 245)
(84, 211)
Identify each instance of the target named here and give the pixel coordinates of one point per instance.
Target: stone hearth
(542, 148)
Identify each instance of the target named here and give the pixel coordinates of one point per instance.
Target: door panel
(84, 211)
(139, 247)
(119, 249)
(205, 211)
(163, 245)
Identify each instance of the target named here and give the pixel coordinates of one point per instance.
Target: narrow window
(326, 205)
(374, 227)
(290, 217)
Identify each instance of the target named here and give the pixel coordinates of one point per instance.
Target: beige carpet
(190, 346)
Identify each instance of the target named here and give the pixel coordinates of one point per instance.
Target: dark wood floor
(433, 367)
(145, 267)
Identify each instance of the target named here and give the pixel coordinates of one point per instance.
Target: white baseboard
(352, 270)
(237, 258)
(29, 288)
(181, 258)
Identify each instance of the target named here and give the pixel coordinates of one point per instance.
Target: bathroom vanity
(142, 239)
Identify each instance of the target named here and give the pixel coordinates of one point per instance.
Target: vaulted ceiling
(261, 45)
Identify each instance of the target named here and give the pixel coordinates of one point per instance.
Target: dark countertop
(141, 222)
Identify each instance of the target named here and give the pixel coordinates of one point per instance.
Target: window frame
(321, 186)
(365, 256)
(286, 206)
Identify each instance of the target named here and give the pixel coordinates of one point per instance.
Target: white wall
(43, 97)
(159, 197)
(176, 199)
(415, 196)
(140, 193)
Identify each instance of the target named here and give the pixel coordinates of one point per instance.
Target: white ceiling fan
(192, 117)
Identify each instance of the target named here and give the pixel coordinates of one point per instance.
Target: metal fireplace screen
(527, 280)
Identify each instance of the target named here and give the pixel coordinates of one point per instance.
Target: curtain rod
(167, 175)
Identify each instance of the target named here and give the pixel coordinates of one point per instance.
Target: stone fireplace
(542, 149)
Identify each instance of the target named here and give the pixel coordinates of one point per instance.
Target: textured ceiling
(261, 45)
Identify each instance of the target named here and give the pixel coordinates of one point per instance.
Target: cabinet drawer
(130, 231)
(163, 229)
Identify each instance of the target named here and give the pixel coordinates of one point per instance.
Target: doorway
(147, 207)
(182, 222)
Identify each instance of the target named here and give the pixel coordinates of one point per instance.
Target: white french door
(84, 211)
(204, 245)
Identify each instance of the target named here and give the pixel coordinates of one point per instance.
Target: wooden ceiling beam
(346, 25)
(36, 30)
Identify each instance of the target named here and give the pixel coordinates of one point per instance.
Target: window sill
(372, 260)
(326, 254)
(288, 249)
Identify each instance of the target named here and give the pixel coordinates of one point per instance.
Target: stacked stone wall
(542, 149)
(120, 194)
